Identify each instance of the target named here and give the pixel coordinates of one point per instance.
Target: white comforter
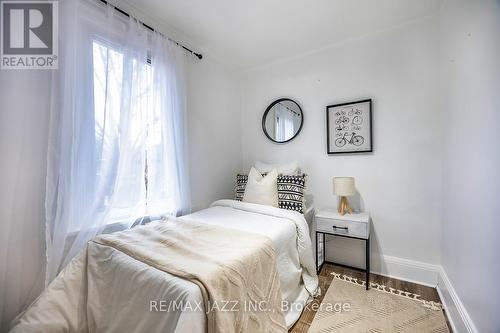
(130, 288)
(290, 235)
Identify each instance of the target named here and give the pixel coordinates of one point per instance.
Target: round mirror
(282, 120)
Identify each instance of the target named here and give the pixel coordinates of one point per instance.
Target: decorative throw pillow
(239, 187)
(290, 191)
(262, 189)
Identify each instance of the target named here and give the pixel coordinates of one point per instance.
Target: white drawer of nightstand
(342, 227)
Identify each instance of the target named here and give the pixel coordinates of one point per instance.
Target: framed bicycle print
(349, 127)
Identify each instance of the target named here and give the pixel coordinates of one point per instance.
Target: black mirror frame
(267, 111)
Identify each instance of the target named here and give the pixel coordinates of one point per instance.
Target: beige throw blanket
(236, 271)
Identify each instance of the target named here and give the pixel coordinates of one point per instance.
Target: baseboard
(458, 316)
(394, 267)
(433, 276)
(408, 270)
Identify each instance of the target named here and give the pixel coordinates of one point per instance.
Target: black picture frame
(330, 146)
(264, 116)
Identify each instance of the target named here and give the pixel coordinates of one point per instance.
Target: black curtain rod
(198, 55)
(294, 112)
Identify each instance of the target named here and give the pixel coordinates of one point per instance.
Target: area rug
(348, 307)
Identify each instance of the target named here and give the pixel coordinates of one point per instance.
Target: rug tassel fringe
(397, 292)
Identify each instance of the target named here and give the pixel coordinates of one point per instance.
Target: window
(111, 91)
(285, 123)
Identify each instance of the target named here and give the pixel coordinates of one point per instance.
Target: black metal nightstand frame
(367, 255)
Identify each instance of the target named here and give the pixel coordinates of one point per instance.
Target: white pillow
(262, 190)
(291, 168)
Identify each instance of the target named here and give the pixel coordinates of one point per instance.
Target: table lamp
(344, 187)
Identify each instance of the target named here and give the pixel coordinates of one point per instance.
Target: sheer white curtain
(284, 123)
(117, 146)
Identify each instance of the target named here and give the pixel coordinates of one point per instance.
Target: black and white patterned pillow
(239, 187)
(290, 191)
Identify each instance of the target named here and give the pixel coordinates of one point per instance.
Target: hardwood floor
(325, 278)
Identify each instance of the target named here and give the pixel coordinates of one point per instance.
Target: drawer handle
(344, 228)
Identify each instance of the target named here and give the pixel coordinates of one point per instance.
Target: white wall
(214, 130)
(400, 183)
(24, 116)
(471, 98)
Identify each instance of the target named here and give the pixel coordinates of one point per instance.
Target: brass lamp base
(344, 206)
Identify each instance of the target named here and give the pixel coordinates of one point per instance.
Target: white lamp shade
(343, 186)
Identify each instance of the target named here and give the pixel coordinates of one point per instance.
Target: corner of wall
(458, 316)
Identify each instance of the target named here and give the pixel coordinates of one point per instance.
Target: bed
(132, 294)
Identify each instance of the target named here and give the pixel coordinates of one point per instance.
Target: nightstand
(356, 226)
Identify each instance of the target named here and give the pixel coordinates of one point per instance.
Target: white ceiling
(255, 32)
